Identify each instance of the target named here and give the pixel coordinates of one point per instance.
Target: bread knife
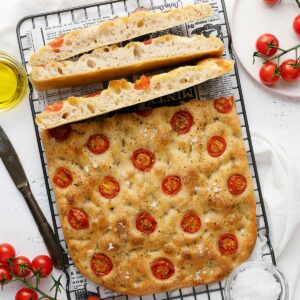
(16, 171)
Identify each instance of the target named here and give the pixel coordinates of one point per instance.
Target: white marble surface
(271, 116)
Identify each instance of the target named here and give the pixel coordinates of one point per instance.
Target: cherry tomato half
(145, 223)
(61, 133)
(237, 184)
(5, 273)
(26, 294)
(57, 106)
(98, 143)
(145, 112)
(78, 219)
(268, 74)
(224, 105)
(63, 177)
(143, 159)
(271, 2)
(228, 244)
(109, 187)
(162, 269)
(101, 264)
(21, 266)
(182, 121)
(296, 24)
(191, 222)
(216, 146)
(143, 83)
(171, 185)
(289, 71)
(58, 42)
(7, 251)
(264, 41)
(43, 264)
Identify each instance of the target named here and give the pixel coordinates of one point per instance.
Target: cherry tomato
(58, 42)
(42, 263)
(145, 223)
(216, 146)
(271, 2)
(171, 185)
(61, 133)
(224, 105)
(288, 71)
(101, 264)
(264, 41)
(145, 113)
(63, 177)
(93, 298)
(162, 269)
(182, 121)
(109, 187)
(5, 273)
(7, 251)
(26, 294)
(21, 266)
(143, 159)
(92, 95)
(143, 83)
(296, 24)
(98, 143)
(268, 74)
(147, 42)
(57, 106)
(78, 219)
(191, 222)
(228, 244)
(237, 184)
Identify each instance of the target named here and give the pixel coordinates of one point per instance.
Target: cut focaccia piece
(154, 202)
(121, 93)
(113, 62)
(116, 30)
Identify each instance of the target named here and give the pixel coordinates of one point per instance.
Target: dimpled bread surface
(112, 231)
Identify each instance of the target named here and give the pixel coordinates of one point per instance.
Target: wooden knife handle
(45, 229)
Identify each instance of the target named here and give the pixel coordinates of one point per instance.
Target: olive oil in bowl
(13, 81)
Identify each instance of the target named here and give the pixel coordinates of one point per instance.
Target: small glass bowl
(284, 294)
(10, 62)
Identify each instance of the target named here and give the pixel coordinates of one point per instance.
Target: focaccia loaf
(154, 201)
(121, 93)
(116, 30)
(113, 62)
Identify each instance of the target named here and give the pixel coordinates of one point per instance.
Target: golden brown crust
(196, 257)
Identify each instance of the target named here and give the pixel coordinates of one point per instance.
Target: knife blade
(14, 167)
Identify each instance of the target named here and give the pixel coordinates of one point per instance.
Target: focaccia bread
(114, 62)
(156, 200)
(122, 93)
(116, 30)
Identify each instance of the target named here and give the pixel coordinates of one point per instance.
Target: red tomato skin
(173, 190)
(17, 268)
(42, 263)
(7, 251)
(140, 226)
(263, 40)
(26, 294)
(164, 263)
(5, 273)
(93, 298)
(288, 72)
(296, 24)
(271, 2)
(267, 75)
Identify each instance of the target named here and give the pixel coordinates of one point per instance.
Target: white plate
(250, 19)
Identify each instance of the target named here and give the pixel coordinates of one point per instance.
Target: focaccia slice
(155, 200)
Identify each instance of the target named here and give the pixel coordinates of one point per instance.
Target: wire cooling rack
(77, 287)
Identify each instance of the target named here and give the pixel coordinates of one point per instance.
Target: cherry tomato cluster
(267, 46)
(20, 266)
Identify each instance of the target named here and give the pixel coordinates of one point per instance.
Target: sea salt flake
(127, 275)
(86, 169)
(197, 188)
(255, 283)
(122, 225)
(110, 247)
(194, 140)
(197, 275)
(95, 164)
(216, 189)
(135, 285)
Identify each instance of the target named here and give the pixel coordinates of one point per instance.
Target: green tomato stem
(295, 48)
